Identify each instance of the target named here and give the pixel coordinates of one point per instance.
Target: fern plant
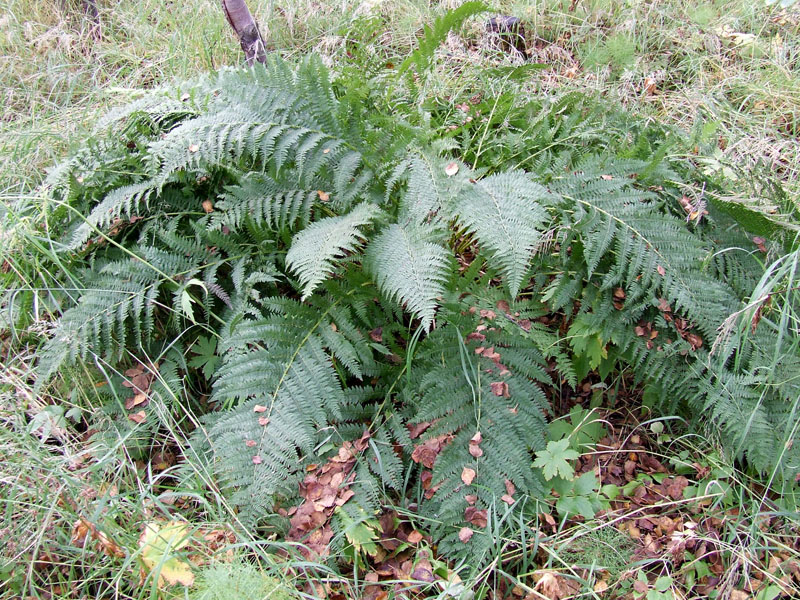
(359, 278)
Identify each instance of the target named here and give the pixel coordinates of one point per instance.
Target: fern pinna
(360, 280)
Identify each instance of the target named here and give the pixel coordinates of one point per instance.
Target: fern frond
(507, 217)
(478, 385)
(410, 267)
(432, 37)
(314, 250)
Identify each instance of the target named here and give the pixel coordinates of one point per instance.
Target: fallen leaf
(695, 340)
(323, 196)
(475, 450)
(468, 475)
(550, 586)
(259, 409)
(661, 270)
(507, 499)
(158, 543)
(138, 417)
(640, 587)
(83, 528)
(263, 421)
(208, 206)
(414, 431)
(601, 586)
(136, 400)
(479, 518)
(500, 388)
(426, 453)
(256, 460)
(415, 537)
(451, 169)
(250, 443)
(194, 148)
(465, 534)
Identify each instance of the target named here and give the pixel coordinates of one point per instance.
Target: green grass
(732, 65)
(730, 68)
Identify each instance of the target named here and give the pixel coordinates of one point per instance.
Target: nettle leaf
(553, 459)
(314, 250)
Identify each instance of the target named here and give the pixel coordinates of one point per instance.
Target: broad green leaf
(553, 459)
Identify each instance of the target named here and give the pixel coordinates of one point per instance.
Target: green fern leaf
(506, 215)
(411, 268)
(314, 250)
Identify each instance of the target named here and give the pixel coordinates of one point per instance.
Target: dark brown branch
(246, 29)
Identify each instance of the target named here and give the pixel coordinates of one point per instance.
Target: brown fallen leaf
(138, 417)
(263, 421)
(258, 408)
(475, 451)
(500, 388)
(507, 499)
(640, 587)
(465, 534)
(601, 586)
(468, 475)
(208, 206)
(83, 528)
(414, 431)
(551, 586)
(257, 460)
(323, 196)
(415, 537)
(451, 169)
(479, 518)
(136, 400)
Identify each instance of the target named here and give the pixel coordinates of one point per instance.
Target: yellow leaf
(159, 543)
